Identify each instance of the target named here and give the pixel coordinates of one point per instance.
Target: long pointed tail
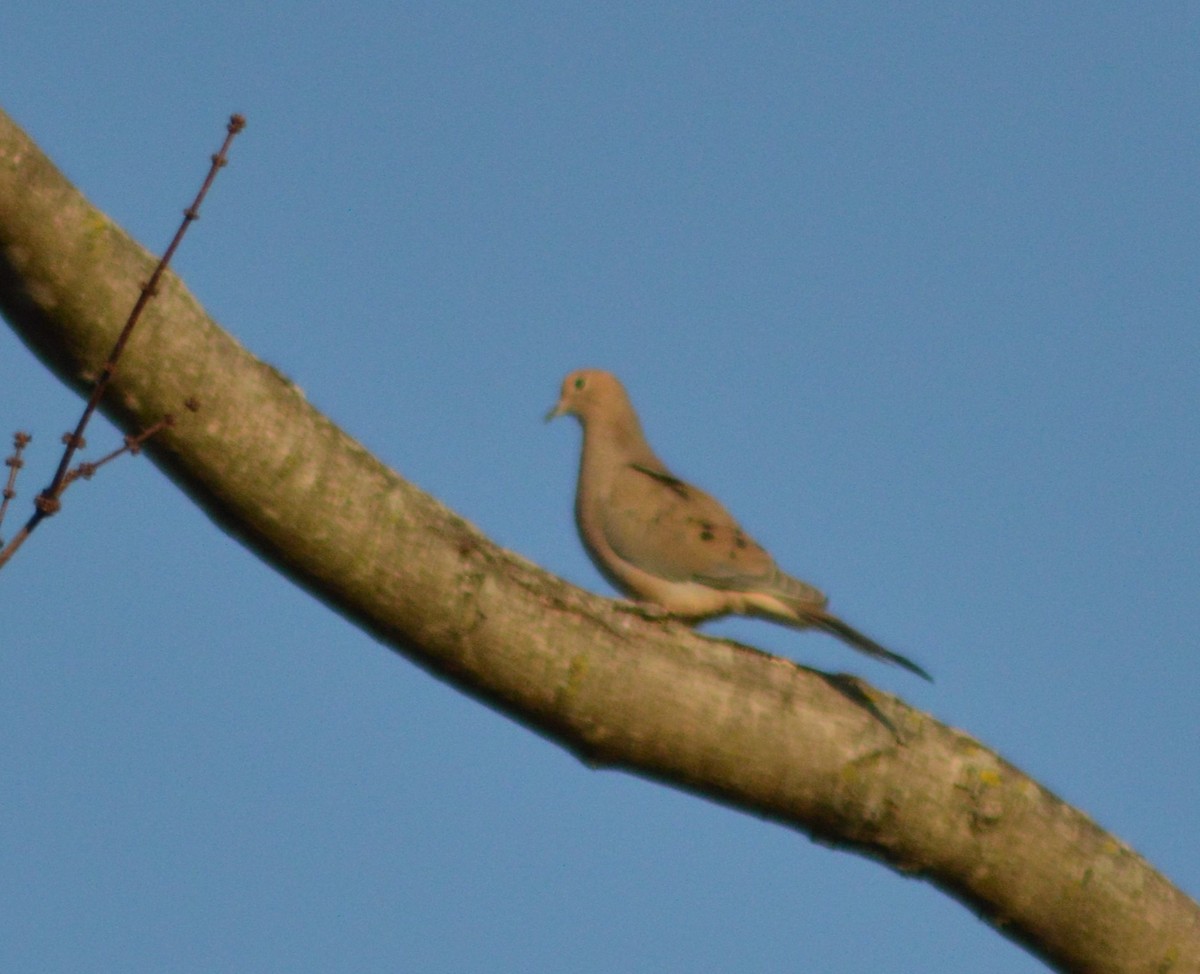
(852, 637)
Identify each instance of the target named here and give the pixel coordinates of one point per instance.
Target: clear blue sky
(913, 289)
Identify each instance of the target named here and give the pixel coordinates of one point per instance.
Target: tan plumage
(664, 541)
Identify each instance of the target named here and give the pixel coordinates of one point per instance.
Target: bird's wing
(675, 531)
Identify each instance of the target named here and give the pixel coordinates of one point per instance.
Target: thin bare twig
(14, 464)
(49, 502)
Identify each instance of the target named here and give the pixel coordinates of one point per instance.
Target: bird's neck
(611, 443)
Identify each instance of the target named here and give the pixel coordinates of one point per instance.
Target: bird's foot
(647, 610)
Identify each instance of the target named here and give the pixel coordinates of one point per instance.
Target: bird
(663, 541)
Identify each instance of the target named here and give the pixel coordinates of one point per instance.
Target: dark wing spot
(662, 477)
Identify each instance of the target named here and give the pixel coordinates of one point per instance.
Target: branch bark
(722, 720)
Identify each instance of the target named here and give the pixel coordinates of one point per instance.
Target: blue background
(913, 288)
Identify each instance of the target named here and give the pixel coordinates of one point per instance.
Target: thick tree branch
(738, 726)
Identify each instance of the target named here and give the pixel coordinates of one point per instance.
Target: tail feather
(852, 637)
(800, 595)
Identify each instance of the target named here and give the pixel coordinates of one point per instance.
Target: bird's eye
(580, 383)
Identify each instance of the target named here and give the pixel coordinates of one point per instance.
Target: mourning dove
(663, 541)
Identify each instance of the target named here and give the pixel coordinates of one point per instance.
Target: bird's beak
(554, 413)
